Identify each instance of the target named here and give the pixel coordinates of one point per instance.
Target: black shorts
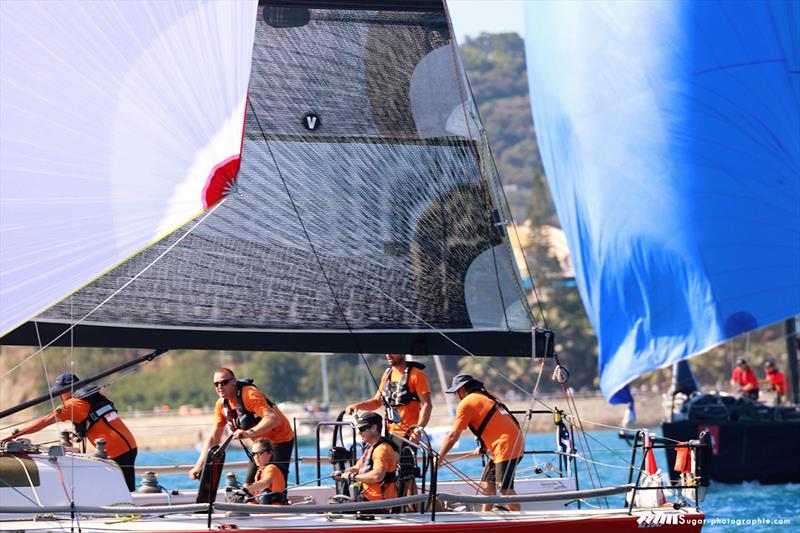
(504, 470)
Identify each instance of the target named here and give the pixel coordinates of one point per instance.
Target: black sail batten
(366, 134)
(488, 343)
(355, 5)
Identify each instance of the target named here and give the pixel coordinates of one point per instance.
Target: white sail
(115, 118)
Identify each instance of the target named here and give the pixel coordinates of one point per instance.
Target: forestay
(670, 133)
(364, 216)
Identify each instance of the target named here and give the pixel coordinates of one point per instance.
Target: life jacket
(396, 393)
(99, 408)
(366, 466)
(478, 432)
(244, 419)
(268, 497)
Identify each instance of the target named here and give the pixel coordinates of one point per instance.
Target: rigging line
(30, 481)
(580, 442)
(16, 489)
(46, 374)
(491, 156)
(455, 343)
(609, 426)
(457, 71)
(313, 248)
(588, 448)
(529, 415)
(71, 328)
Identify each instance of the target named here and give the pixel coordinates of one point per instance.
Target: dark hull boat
(751, 441)
(764, 451)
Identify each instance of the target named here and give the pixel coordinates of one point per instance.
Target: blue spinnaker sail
(670, 133)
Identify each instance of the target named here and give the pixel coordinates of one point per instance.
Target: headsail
(671, 138)
(120, 122)
(364, 216)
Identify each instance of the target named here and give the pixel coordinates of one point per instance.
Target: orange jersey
(255, 402)
(277, 481)
(110, 427)
(383, 456)
(501, 435)
(409, 413)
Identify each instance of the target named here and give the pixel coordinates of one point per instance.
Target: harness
(99, 407)
(396, 393)
(244, 419)
(268, 497)
(389, 477)
(498, 405)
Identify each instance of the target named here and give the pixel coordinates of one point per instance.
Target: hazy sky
(471, 17)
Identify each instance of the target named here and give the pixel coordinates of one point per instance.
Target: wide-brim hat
(460, 380)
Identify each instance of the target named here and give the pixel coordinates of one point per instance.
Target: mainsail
(670, 133)
(120, 122)
(364, 216)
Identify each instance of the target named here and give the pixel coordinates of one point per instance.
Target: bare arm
(375, 475)
(425, 409)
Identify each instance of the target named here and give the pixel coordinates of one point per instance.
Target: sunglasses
(362, 429)
(261, 452)
(222, 383)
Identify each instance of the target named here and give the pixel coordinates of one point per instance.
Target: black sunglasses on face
(222, 383)
(259, 452)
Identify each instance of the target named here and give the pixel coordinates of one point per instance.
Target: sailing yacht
(287, 175)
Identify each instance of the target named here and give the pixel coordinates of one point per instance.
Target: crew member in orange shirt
(776, 380)
(94, 417)
(375, 470)
(404, 388)
(247, 413)
(497, 431)
(269, 486)
(744, 378)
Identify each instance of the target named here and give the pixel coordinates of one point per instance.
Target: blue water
(750, 503)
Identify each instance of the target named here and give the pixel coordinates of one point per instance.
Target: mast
(326, 393)
(791, 348)
(440, 373)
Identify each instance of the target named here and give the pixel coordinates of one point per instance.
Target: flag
(564, 443)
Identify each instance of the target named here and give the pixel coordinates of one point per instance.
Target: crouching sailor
(375, 470)
(94, 417)
(269, 486)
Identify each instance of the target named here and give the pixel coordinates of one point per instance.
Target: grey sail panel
(362, 217)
